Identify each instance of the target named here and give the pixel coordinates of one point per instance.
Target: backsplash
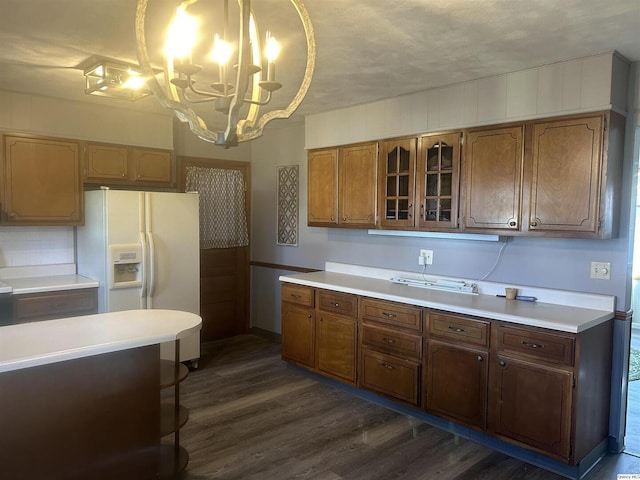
(29, 246)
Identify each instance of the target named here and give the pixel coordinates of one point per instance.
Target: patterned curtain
(223, 218)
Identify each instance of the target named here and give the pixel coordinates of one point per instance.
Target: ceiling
(367, 50)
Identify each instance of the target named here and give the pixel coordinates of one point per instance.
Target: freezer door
(172, 225)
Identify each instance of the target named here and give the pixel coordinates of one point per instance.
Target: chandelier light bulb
(272, 49)
(221, 52)
(181, 36)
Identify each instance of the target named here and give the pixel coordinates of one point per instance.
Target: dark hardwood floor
(253, 418)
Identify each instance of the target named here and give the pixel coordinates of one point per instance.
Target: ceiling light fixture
(239, 98)
(112, 78)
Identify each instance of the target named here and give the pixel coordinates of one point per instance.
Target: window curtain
(223, 218)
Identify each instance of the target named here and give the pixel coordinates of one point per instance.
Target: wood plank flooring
(253, 418)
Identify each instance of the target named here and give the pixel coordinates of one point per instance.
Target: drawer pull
(337, 305)
(457, 329)
(389, 315)
(479, 358)
(296, 295)
(308, 315)
(531, 345)
(387, 366)
(389, 340)
(502, 363)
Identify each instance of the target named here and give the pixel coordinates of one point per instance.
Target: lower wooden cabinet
(533, 405)
(391, 376)
(298, 334)
(539, 389)
(456, 383)
(336, 343)
(32, 307)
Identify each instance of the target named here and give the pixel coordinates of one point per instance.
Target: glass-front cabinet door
(438, 181)
(397, 163)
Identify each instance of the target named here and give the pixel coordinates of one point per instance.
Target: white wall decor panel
(522, 94)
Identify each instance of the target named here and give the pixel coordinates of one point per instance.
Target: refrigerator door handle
(152, 268)
(143, 288)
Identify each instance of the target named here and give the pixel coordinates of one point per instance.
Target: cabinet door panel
(298, 334)
(357, 185)
(322, 187)
(106, 162)
(457, 383)
(337, 347)
(533, 405)
(494, 160)
(151, 166)
(566, 175)
(42, 182)
(438, 181)
(396, 167)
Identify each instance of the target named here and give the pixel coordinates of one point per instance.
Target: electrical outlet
(426, 257)
(601, 270)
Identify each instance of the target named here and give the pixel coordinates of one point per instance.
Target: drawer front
(298, 294)
(545, 346)
(391, 313)
(390, 376)
(340, 303)
(459, 329)
(388, 341)
(45, 306)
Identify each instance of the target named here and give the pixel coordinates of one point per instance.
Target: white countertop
(48, 283)
(39, 343)
(538, 314)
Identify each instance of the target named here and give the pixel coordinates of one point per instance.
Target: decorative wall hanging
(288, 205)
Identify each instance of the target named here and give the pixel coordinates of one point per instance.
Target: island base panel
(95, 417)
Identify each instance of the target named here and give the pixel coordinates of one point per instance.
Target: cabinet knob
(479, 358)
(337, 305)
(332, 218)
(502, 363)
(344, 219)
(389, 340)
(123, 174)
(512, 223)
(309, 315)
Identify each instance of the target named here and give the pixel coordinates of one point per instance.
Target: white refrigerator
(144, 250)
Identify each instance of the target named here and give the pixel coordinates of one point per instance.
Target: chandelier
(245, 81)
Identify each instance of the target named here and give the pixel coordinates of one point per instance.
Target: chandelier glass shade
(244, 84)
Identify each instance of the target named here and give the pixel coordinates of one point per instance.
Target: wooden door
(224, 272)
(565, 184)
(494, 160)
(42, 182)
(322, 187)
(336, 346)
(298, 334)
(438, 181)
(151, 166)
(532, 405)
(106, 163)
(357, 185)
(456, 383)
(396, 166)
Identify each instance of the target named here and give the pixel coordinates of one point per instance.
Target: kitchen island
(80, 397)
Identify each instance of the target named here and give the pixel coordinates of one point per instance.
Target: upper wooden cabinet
(119, 164)
(342, 186)
(566, 173)
(396, 183)
(556, 177)
(438, 181)
(493, 178)
(41, 182)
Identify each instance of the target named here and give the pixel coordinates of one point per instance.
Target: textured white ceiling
(367, 50)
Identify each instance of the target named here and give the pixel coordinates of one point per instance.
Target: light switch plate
(601, 270)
